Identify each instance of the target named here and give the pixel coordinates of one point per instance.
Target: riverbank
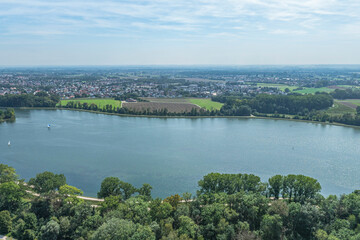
(193, 117)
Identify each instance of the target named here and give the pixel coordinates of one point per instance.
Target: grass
(206, 103)
(314, 90)
(282, 87)
(100, 102)
(339, 109)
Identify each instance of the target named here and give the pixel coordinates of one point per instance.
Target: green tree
(187, 226)
(145, 191)
(110, 186)
(50, 231)
(5, 222)
(121, 229)
(276, 183)
(271, 227)
(11, 195)
(47, 181)
(7, 174)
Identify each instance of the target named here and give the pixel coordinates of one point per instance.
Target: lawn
(206, 103)
(314, 90)
(100, 102)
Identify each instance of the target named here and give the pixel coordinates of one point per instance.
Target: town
(161, 82)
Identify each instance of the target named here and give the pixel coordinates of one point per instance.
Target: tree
(50, 231)
(110, 186)
(11, 196)
(127, 189)
(271, 227)
(121, 229)
(7, 174)
(187, 226)
(145, 191)
(276, 183)
(174, 200)
(5, 222)
(47, 181)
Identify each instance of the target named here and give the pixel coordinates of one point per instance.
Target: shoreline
(189, 117)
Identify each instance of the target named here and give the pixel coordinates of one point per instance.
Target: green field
(339, 109)
(282, 87)
(314, 90)
(206, 103)
(100, 102)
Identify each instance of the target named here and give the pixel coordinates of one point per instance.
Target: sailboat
(9, 143)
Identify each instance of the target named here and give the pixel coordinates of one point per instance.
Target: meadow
(314, 90)
(206, 103)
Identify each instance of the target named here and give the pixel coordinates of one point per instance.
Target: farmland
(339, 108)
(314, 90)
(206, 103)
(152, 106)
(100, 102)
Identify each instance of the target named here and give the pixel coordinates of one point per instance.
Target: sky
(174, 32)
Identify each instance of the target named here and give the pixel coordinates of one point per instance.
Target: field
(339, 108)
(352, 103)
(314, 90)
(282, 87)
(171, 107)
(206, 103)
(100, 102)
(201, 102)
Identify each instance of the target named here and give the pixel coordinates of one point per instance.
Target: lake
(173, 154)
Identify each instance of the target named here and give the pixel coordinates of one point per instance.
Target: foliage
(29, 100)
(47, 181)
(227, 206)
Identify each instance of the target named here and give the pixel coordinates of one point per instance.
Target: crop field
(314, 90)
(339, 108)
(201, 102)
(171, 107)
(100, 102)
(206, 103)
(353, 103)
(167, 100)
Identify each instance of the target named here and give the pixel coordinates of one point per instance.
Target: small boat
(48, 125)
(9, 143)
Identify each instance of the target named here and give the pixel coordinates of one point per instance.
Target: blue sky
(183, 32)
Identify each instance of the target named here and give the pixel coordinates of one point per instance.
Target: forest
(40, 99)
(226, 206)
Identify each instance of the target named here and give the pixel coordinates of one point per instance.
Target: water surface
(173, 154)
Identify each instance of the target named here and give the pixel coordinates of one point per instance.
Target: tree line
(40, 99)
(226, 206)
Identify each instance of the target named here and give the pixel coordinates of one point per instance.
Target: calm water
(173, 154)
